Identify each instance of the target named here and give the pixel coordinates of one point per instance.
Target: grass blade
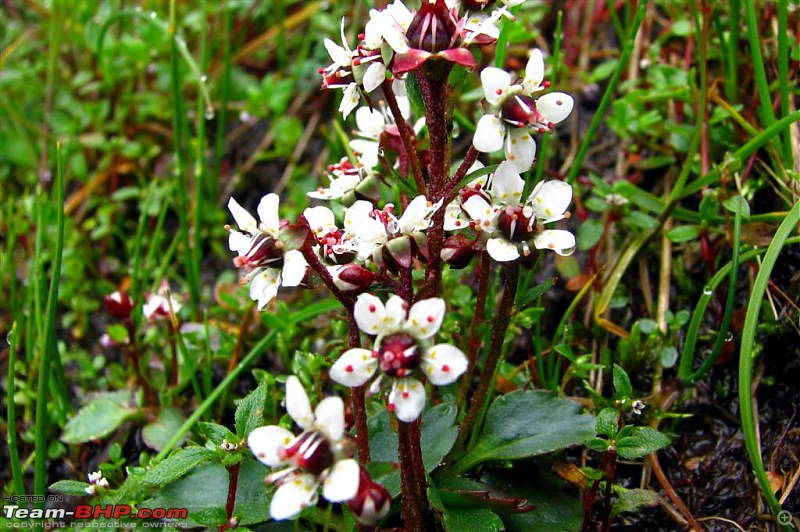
(17, 485)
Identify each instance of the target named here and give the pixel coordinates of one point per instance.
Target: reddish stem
(484, 263)
(406, 135)
(358, 397)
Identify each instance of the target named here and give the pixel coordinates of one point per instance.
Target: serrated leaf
(622, 384)
(69, 487)
(158, 433)
(250, 411)
(683, 233)
(96, 420)
(597, 444)
(481, 519)
(535, 293)
(607, 422)
(177, 465)
(217, 433)
(526, 423)
(641, 442)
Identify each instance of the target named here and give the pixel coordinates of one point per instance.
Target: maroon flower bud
(264, 251)
(119, 305)
(398, 355)
(371, 502)
(434, 28)
(520, 111)
(458, 251)
(352, 277)
(311, 452)
(516, 223)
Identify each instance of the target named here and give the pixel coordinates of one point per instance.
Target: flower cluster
(366, 250)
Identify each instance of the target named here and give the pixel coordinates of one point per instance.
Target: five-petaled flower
(497, 210)
(261, 251)
(317, 456)
(512, 112)
(399, 350)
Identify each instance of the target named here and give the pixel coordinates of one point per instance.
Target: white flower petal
(374, 76)
(294, 268)
(367, 152)
(370, 122)
(534, 72)
(425, 318)
(501, 250)
(320, 219)
(238, 242)
(297, 403)
(562, 242)
(408, 398)
(520, 149)
(550, 200)
(330, 417)
(395, 313)
(370, 314)
(555, 106)
(478, 209)
(268, 212)
(342, 482)
(339, 55)
(489, 134)
(443, 364)
(454, 217)
(265, 442)
(349, 99)
(264, 286)
(507, 184)
(495, 83)
(244, 219)
(354, 367)
(414, 218)
(294, 496)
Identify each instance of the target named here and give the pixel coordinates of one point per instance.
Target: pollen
(227, 227)
(424, 330)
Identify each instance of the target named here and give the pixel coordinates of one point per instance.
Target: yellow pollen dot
(432, 354)
(511, 156)
(414, 321)
(227, 227)
(551, 245)
(548, 212)
(278, 244)
(424, 330)
(538, 200)
(513, 141)
(414, 386)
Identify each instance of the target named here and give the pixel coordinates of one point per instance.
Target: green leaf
(641, 220)
(607, 422)
(250, 411)
(641, 442)
(69, 487)
(526, 423)
(96, 420)
(738, 205)
(632, 500)
(177, 465)
(159, 432)
(669, 355)
(589, 233)
(204, 491)
(597, 444)
(117, 332)
(683, 233)
(622, 384)
(534, 293)
(217, 433)
(482, 519)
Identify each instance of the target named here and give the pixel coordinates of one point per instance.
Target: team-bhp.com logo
(95, 511)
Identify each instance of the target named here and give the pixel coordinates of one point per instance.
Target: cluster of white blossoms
(371, 246)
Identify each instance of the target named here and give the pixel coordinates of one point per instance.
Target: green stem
(747, 354)
(17, 483)
(588, 138)
(224, 96)
(49, 341)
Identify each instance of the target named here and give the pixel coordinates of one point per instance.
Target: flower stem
(484, 263)
(406, 136)
(233, 483)
(315, 264)
(495, 350)
(412, 476)
(358, 396)
(451, 185)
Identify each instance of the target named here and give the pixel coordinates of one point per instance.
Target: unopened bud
(458, 251)
(371, 502)
(119, 305)
(351, 277)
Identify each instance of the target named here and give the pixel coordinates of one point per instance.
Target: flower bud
(371, 502)
(434, 28)
(119, 305)
(458, 251)
(351, 277)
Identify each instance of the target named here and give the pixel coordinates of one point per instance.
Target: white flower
(158, 305)
(97, 483)
(261, 252)
(344, 177)
(513, 112)
(498, 211)
(388, 25)
(371, 124)
(399, 350)
(314, 457)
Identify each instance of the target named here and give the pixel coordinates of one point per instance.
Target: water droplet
(707, 290)
(209, 113)
(729, 337)
(153, 14)
(203, 78)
